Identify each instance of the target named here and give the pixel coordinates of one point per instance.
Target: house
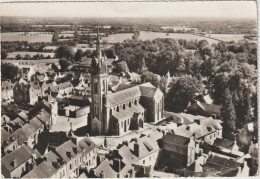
(7, 91)
(70, 155)
(62, 89)
(43, 170)
(116, 168)
(89, 152)
(197, 107)
(204, 130)
(18, 162)
(178, 150)
(25, 93)
(227, 146)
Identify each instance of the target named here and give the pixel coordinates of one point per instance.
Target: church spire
(98, 50)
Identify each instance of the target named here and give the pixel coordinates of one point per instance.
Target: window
(143, 161)
(128, 121)
(135, 102)
(122, 124)
(124, 106)
(117, 108)
(75, 162)
(130, 104)
(63, 172)
(70, 166)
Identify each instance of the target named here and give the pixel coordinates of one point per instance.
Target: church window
(130, 104)
(122, 124)
(135, 102)
(123, 106)
(117, 108)
(104, 85)
(110, 112)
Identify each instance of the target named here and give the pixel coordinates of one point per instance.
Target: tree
(64, 63)
(150, 77)
(27, 57)
(64, 52)
(228, 112)
(18, 57)
(55, 37)
(78, 55)
(182, 90)
(120, 67)
(3, 54)
(9, 71)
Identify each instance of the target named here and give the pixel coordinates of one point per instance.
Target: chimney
(136, 149)
(117, 164)
(179, 124)
(197, 121)
(102, 174)
(14, 163)
(87, 134)
(188, 128)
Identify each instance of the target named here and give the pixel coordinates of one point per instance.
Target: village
(128, 97)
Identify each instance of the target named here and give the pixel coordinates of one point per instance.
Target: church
(127, 108)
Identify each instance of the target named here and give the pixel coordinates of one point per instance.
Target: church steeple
(99, 63)
(98, 50)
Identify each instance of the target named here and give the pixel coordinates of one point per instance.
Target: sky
(232, 9)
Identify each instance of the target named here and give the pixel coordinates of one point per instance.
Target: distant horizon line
(103, 17)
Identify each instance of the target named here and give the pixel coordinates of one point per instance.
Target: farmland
(30, 37)
(23, 53)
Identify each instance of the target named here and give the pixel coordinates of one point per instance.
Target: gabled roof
(123, 96)
(86, 144)
(43, 170)
(23, 115)
(105, 167)
(20, 155)
(66, 148)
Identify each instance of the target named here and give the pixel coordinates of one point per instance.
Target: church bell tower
(99, 88)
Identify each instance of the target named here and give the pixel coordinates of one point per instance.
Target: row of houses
(27, 126)
(63, 161)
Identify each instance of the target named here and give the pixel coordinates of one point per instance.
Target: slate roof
(147, 89)
(87, 145)
(105, 167)
(43, 170)
(128, 112)
(21, 155)
(123, 96)
(176, 139)
(206, 127)
(23, 115)
(223, 143)
(66, 147)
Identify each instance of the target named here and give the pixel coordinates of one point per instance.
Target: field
(30, 37)
(22, 53)
(227, 37)
(114, 38)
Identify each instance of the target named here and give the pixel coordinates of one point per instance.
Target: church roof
(128, 112)
(123, 96)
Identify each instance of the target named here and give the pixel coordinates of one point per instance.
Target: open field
(227, 37)
(30, 37)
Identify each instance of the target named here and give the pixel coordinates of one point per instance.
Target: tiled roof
(123, 96)
(21, 155)
(43, 170)
(23, 115)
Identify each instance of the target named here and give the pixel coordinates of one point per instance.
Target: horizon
(208, 9)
